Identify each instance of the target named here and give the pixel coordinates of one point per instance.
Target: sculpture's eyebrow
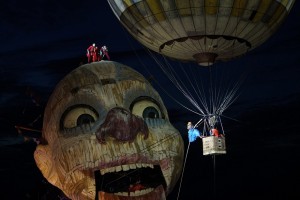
(108, 81)
(105, 81)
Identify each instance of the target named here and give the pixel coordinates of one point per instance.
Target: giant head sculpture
(107, 135)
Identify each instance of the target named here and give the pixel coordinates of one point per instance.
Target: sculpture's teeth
(150, 189)
(124, 168)
(112, 169)
(132, 166)
(121, 193)
(135, 193)
(103, 171)
(148, 165)
(118, 168)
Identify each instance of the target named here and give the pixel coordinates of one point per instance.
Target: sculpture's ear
(44, 161)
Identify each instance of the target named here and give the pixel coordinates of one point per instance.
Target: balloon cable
(187, 151)
(214, 176)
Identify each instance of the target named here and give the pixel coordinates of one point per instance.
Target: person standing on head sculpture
(91, 50)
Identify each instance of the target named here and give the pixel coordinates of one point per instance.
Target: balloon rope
(187, 151)
(214, 183)
(102, 182)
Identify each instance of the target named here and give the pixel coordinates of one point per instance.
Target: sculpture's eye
(150, 112)
(146, 108)
(79, 115)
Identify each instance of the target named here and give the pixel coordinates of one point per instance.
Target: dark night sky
(41, 41)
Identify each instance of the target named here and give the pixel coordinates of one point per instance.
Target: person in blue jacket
(193, 133)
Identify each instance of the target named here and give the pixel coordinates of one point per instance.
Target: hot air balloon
(203, 31)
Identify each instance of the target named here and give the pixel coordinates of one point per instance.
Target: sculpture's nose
(122, 125)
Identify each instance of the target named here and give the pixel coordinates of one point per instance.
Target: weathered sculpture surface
(105, 117)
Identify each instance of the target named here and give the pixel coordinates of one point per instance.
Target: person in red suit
(91, 52)
(215, 132)
(96, 56)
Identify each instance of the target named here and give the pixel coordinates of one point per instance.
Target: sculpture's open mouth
(132, 181)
